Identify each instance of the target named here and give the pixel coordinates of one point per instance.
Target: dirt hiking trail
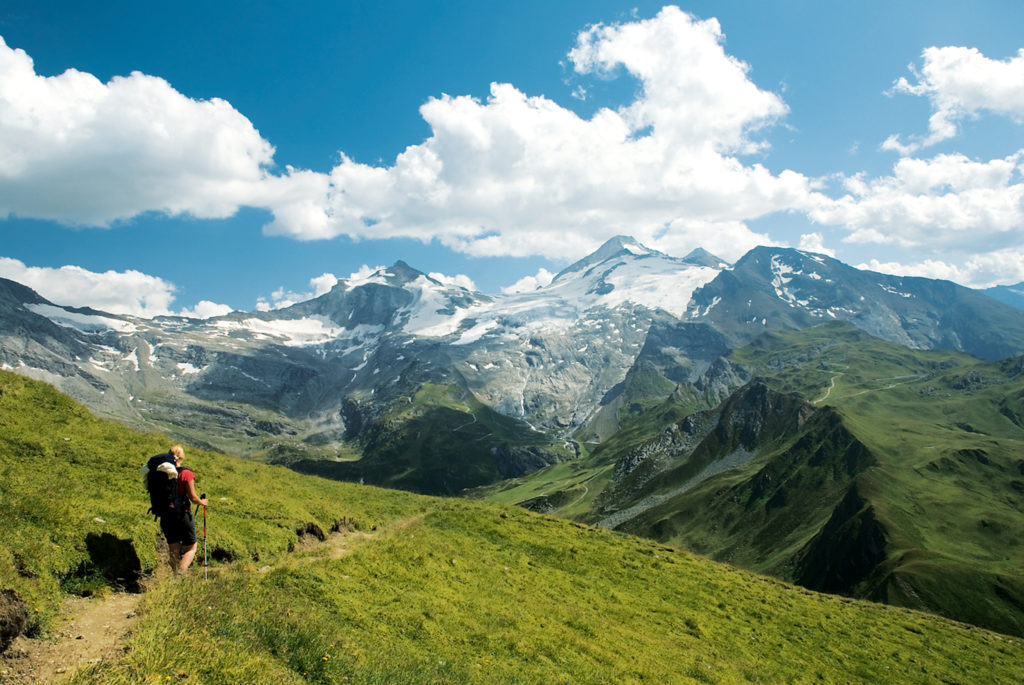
(89, 631)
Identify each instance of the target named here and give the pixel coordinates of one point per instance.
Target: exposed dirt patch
(90, 631)
(343, 543)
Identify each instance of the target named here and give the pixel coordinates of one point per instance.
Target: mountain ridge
(572, 358)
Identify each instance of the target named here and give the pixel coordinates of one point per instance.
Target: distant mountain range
(334, 377)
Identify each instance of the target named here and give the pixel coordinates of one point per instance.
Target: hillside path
(89, 631)
(831, 387)
(95, 629)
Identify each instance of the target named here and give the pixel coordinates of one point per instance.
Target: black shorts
(179, 528)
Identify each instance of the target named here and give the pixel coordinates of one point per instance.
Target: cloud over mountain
(513, 175)
(679, 165)
(946, 209)
(521, 175)
(128, 292)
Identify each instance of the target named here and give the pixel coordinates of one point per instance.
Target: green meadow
(415, 589)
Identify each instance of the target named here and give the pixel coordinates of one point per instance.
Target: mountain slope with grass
(849, 465)
(415, 589)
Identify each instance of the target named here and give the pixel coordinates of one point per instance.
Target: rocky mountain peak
(701, 257)
(401, 273)
(615, 247)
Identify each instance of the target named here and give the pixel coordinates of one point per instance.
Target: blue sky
(245, 155)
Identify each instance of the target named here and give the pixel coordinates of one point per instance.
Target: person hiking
(178, 526)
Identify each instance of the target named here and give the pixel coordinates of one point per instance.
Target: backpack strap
(179, 499)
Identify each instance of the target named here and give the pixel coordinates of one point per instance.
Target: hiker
(178, 526)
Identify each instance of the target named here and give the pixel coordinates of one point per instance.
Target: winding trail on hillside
(828, 392)
(911, 377)
(88, 631)
(91, 630)
(586, 491)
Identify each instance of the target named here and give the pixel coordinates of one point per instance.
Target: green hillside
(948, 490)
(417, 589)
(875, 471)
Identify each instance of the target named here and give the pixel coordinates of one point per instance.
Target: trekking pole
(206, 565)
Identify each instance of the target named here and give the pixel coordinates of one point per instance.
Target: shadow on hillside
(111, 560)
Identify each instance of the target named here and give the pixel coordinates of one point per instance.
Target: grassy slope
(67, 475)
(428, 590)
(948, 488)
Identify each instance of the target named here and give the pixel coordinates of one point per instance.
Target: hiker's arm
(193, 496)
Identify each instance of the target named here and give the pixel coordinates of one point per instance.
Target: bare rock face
(13, 617)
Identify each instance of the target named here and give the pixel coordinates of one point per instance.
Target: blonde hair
(178, 451)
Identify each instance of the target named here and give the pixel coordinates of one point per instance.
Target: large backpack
(161, 480)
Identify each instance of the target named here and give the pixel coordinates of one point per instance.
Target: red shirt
(184, 477)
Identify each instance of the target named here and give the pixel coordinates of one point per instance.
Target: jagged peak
(775, 250)
(614, 247)
(398, 274)
(624, 242)
(404, 273)
(701, 257)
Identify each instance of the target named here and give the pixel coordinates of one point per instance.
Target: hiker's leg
(173, 538)
(174, 555)
(187, 554)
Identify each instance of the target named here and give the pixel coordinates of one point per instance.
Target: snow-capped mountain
(777, 289)
(322, 372)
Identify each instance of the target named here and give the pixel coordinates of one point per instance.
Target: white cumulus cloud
(79, 151)
(521, 175)
(979, 271)
(528, 284)
(281, 298)
(815, 242)
(459, 280)
(514, 174)
(205, 309)
(960, 218)
(948, 202)
(694, 94)
(960, 82)
(929, 268)
(117, 292)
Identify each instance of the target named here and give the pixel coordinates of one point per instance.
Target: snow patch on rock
(87, 323)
